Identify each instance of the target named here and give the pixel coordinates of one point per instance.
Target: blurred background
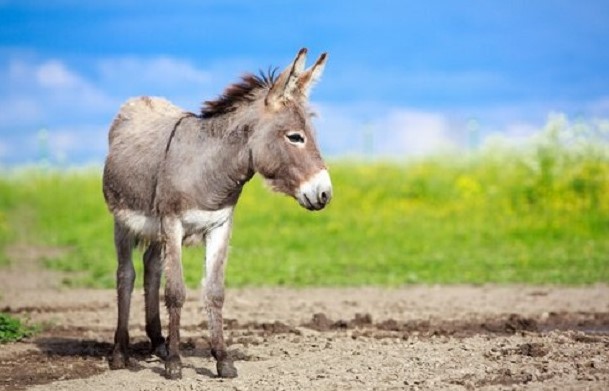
(467, 140)
(404, 78)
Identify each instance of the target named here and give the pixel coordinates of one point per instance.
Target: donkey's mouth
(306, 203)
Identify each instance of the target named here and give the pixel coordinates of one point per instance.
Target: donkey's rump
(137, 142)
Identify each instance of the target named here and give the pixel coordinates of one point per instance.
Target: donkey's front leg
(175, 292)
(125, 276)
(216, 243)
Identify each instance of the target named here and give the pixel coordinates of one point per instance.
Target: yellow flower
(467, 186)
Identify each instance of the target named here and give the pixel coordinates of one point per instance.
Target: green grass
(12, 329)
(535, 214)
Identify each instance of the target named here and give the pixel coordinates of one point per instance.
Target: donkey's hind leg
(125, 276)
(152, 282)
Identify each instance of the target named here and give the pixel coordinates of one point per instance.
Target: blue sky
(404, 78)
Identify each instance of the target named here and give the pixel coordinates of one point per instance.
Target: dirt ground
(411, 338)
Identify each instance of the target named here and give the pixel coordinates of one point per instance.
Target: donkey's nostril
(323, 197)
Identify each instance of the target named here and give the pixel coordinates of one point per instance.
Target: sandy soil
(413, 338)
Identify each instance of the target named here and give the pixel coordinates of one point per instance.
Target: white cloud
(340, 129)
(399, 132)
(39, 92)
(62, 145)
(44, 92)
(512, 134)
(79, 141)
(55, 74)
(406, 132)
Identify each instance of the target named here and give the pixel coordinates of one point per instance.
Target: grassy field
(534, 214)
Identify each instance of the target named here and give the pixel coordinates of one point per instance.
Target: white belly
(195, 223)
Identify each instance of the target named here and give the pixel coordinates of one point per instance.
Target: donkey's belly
(195, 223)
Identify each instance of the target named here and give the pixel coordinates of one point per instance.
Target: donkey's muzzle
(315, 193)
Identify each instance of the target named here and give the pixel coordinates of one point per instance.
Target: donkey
(173, 178)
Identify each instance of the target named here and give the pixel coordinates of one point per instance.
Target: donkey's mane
(238, 93)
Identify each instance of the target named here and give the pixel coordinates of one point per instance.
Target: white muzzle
(316, 192)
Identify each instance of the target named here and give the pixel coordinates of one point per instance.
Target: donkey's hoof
(226, 369)
(160, 351)
(118, 360)
(173, 368)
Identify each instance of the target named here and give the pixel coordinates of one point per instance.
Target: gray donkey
(173, 177)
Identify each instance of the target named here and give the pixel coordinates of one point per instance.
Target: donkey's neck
(206, 165)
(228, 165)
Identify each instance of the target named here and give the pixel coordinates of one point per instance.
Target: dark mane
(241, 92)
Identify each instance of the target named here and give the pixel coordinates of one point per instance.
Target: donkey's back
(138, 140)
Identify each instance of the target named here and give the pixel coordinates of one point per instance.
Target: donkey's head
(284, 149)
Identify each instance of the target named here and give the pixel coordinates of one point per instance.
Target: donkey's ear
(286, 84)
(311, 76)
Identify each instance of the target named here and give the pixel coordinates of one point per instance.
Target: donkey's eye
(295, 138)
